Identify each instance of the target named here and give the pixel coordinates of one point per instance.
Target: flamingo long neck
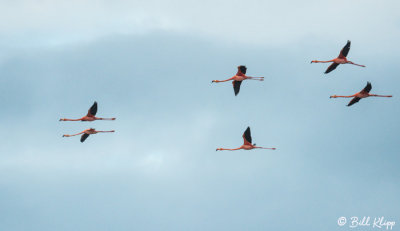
(219, 81)
(317, 61)
(344, 96)
(228, 149)
(71, 119)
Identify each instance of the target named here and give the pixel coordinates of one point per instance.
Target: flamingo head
(314, 61)
(333, 96)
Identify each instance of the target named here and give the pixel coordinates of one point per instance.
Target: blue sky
(150, 64)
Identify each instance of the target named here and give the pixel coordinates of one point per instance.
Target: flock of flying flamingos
(237, 81)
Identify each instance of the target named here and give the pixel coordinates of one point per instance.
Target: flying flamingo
(341, 59)
(247, 143)
(90, 115)
(238, 78)
(86, 133)
(362, 94)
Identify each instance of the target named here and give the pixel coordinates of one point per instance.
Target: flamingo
(86, 133)
(364, 93)
(238, 78)
(90, 115)
(341, 59)
(247, 143)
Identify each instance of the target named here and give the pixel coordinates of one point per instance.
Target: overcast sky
(150, 64)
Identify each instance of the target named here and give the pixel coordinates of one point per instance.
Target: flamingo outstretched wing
(92, 110)
(241, 70)
(331, 67)
(345, 50)
(236, 86)
(84, 137)
(367, 88)
(247, 136)
(353, 101)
